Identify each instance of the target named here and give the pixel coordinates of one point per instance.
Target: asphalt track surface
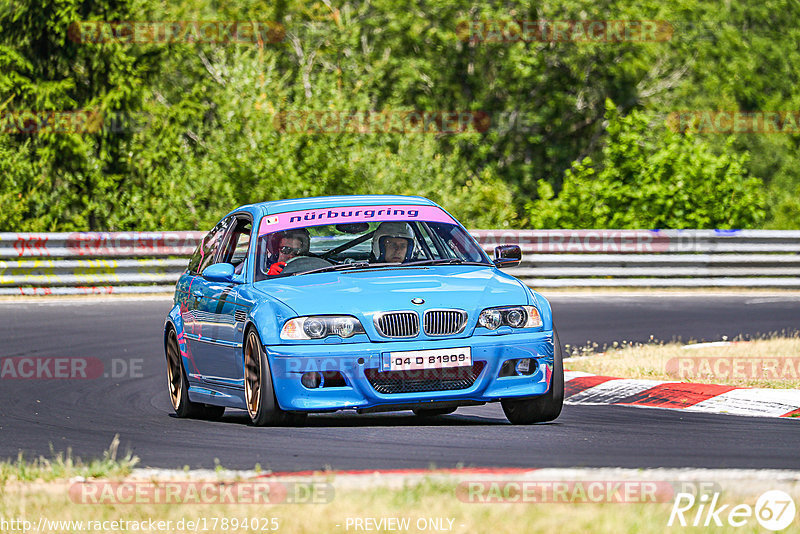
(84, 415)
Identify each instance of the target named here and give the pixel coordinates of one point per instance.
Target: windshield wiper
(445, 261)
(338, 267)
(368, 265)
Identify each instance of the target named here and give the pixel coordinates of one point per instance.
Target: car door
(198, 319)
(225, 310)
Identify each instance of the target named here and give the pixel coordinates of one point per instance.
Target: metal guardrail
(151, 262)
(93, 262)
(653, 258)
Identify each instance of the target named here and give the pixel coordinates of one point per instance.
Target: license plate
(430, 359)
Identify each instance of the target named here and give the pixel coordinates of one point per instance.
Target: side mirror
(219, 272)
(507, 256)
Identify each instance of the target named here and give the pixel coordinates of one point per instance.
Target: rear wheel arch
(186, 407)
(169, 326)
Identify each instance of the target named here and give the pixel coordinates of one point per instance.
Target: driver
(288, 245)
(393, 242)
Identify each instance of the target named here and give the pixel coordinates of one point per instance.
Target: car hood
(366, 292)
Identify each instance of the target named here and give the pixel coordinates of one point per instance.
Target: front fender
(545, 310)
(267, 316)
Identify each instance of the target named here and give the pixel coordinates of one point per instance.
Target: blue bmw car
(368, 303)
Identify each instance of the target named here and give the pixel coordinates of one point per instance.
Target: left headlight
(321, 326)
(513, 316)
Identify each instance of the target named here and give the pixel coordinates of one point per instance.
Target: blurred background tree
(650, 177)
(577, 128)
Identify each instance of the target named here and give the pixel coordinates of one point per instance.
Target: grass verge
(64, 466)
(426, 506)
(52, 496)
(763, 363)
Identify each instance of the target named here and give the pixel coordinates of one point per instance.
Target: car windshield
(298, 246)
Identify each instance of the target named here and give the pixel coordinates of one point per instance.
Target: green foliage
(78, 177)
(651, 177)
(785, 208)
(209, 138)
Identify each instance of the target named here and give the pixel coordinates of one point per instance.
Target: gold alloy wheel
(174, 370)
(252, 373)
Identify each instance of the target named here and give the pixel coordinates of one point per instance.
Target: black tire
(432, 412)
(262, 406)
(213, 413)
(545, 407)
(177, 383)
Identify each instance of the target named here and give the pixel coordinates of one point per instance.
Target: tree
(651, 177)
(81, 172)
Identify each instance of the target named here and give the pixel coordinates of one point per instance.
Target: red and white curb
(585, 388)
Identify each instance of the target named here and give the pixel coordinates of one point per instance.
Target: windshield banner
(351, 214)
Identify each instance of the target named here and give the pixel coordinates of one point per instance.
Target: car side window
(241, 246)
(194, 261)
(237, 243)
(209, 247)
(454, 242)
(426, 242)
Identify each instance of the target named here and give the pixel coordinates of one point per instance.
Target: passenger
(393, 242)
(289, 244)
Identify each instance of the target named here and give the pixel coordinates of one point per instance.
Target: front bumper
(352, 360)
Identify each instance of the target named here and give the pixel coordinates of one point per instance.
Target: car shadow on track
(378, 420)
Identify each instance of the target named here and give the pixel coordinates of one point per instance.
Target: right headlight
(513, 316)
(321, 326)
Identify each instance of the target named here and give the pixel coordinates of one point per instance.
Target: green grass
(41, 488)
(413, 500)
(65, 466)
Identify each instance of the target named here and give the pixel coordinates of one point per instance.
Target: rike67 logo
(774, 510)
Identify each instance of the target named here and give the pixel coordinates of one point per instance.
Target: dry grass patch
(429, 504)
(421, 505)
(764, 363)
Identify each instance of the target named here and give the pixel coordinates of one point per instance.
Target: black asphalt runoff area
(85, 415)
